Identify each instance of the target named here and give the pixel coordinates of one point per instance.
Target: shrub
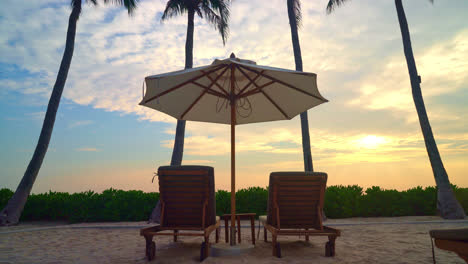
(462, 196)
(118, 205)
(342, 201)
(5, 195)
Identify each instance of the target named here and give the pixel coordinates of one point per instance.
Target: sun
(371, 141)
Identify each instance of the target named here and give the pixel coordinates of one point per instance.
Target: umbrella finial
(233, 56)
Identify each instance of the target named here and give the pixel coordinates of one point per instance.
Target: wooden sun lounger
(187, 204)
(455, 240)
(295, 202)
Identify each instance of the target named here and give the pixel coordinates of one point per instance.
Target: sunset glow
(367, 134)
(371, 141)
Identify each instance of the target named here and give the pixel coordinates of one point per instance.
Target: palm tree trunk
(308, 165)
(446, 202)
(189, 40)
(11, 213)
(178, 151)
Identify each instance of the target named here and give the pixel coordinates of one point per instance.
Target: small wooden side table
(250, 216)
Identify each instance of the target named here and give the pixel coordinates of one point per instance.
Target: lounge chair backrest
(299, 197)
(185, 193)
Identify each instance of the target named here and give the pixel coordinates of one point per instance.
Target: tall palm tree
(294, 15)
(447, 204)
(217, 14)
(11, 213)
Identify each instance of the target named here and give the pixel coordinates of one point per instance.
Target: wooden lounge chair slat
(182, 173)
(185, 199)
(295, 203)
(293, 179)
(182, 194)
(304, 185)
(181, 210)
(188, 204)
(183, 213)
(293, 206)
(297, 198)
(300, 184)
(194, 185)
(183, 189)
(299, 193)
(286, 217)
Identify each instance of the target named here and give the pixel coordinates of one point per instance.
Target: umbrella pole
(233, 173)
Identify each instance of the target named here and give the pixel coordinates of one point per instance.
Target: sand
(363, 240)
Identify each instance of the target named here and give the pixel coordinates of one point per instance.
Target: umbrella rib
(194, 102)
(251, 81)
(275, 104)
(283, 83)
(182, 84)
(257, 90)
(210, 91)
(215, 81)
(203, 93)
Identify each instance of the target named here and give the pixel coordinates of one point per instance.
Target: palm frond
(333, 4)
(130, 5)
(223, 26)
(217, 13)
(199, 11)
(94, 2)
(174, 8)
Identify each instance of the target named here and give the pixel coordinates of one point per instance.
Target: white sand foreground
(363, 240)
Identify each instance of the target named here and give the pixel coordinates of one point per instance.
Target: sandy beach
(363, 240)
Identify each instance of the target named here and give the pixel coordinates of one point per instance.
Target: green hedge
(118, 205)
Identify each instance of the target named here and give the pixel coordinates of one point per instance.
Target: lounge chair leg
(278, 250)
(307, 236)
(238, 230)
(265, 235)
(175, 235)
(217, 235)
(205, 249)
(150, 248)
(252, 228)
(226, 231)
(330, 246)
(202, 251)
(276, 247)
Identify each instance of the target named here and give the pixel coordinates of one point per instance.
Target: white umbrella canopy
(232, 91)
(261, 93)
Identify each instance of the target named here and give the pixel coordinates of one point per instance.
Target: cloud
(114, 52)
(80, 123)
(442, 69)
(87, 149)
(37, 115)
(358, 59)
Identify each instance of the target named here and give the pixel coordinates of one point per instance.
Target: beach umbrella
(235, 92)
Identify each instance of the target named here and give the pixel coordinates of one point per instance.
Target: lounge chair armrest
(319, 216)
(277, 215)
(163, 205)
(205, 205)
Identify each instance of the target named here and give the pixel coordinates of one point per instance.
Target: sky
(368, 133)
